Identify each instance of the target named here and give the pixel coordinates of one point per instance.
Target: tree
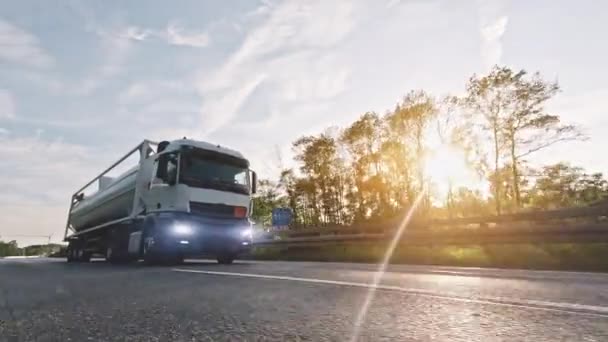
(318, 155)
(373, 169)
(409, 123)
(266, 199)
(561, 185)
(527, 127)
(509, 107)
(9, 248)
(362, 140)
(486, 101)
(466, 202)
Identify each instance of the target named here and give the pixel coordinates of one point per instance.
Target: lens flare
(382, 268)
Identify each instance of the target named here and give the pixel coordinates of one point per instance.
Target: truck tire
(81, 255)
(116, 248)
(109, 254)
(86, 256)
(70, 253)
(150, 257)
(76, 253)
(154, 253)
(115, 255)
(225, 259)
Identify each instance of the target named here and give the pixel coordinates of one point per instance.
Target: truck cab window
(213, 173)
(167, 168)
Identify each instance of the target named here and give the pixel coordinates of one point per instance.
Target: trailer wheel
(86, 256)
(76, 253)
(109, 254)
(70, 253)
(225, 259)
(114, 256)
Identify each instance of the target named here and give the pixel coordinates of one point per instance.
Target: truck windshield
(214, 173)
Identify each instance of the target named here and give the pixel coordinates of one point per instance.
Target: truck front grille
(212, 209)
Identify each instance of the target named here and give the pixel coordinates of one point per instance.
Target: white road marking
(22, 257)
(571, 308)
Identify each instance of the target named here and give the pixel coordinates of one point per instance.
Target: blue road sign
(281, 216)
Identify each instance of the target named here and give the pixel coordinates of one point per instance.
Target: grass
(554, 256)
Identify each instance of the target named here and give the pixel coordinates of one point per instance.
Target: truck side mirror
(254, 181)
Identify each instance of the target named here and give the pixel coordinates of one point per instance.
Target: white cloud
(7, 105)
(221, 106)
(148, 102)
(135, 33)
(20, 47)
(173, 34)
(144, 91)
(392, 3)
(288, 52)
(38, 176)
(177, 35)
(493, 22)
(81, 122)
(4, 131)
(116, 46)
(48, 169)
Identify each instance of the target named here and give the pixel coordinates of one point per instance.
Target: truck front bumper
(193, 235)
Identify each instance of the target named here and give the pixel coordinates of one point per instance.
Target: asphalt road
(50, 300)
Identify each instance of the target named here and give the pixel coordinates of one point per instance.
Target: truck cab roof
(176, 144)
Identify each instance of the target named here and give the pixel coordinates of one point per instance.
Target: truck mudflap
(195, 235)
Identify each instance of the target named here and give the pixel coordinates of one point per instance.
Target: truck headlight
(182, 229)
(246, 233)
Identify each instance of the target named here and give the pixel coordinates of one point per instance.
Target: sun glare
(446, 167)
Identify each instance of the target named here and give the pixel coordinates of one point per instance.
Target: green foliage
(364, 171)
(9, 249)
(558, 256)
(267, 198)
(12, 249)
(562, 185)
(506, 109)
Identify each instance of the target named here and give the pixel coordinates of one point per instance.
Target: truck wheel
(113, 256)
(70, 253)
(149, 256)
(86, 256)
(225, 259)
(77, 254)
(179, 259)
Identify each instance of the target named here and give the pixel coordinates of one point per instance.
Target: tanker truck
(183, 198)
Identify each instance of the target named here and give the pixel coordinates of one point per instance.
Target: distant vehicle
(187, 199)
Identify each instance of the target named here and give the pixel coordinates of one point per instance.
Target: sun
(446, 167)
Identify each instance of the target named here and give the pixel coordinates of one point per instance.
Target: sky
(82, 82)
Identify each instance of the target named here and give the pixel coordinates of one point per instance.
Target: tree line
(374, 169)
(11, 248)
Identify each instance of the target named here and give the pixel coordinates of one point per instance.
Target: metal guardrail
(556, 236)
(550, 226)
